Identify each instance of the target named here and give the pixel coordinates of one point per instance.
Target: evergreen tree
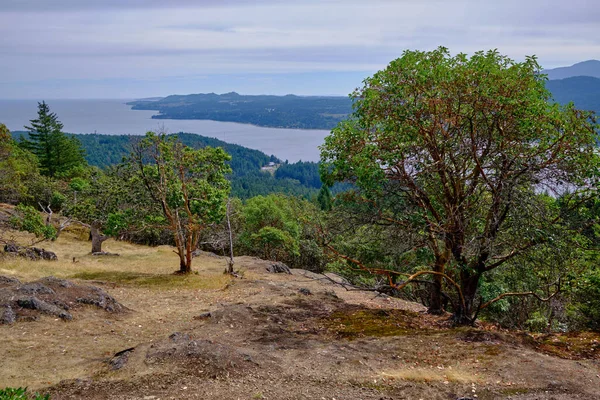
(324, 198)
(57, 153)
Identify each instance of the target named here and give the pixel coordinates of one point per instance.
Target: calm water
(114, 117)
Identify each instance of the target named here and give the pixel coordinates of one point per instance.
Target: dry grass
(138, 265)
(43, 352)
(431, 375)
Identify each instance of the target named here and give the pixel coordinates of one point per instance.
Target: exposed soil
(283, 336)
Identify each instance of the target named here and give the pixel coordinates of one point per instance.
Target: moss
(355, 323)
(159, 281)
(572, 345)
(515, 391)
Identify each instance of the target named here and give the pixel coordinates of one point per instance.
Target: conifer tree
(57, 153)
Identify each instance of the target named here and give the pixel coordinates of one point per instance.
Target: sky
(144, 48)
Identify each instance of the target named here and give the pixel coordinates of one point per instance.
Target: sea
(114, 117)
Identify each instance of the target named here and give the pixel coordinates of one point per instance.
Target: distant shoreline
(239, 123)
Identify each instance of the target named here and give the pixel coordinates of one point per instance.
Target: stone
(8, 316)
(278, 268)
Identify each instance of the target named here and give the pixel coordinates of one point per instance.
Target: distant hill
(290, 111)
(584, 91)
(585, 68)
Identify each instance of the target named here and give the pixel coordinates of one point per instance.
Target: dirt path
(274, 336)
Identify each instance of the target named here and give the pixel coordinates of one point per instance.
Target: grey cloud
(150, 39)
(91, 5)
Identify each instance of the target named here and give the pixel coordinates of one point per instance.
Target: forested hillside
(584, 91)
(247, 178)
(311, 112)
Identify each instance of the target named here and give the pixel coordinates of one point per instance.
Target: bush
(20, 394)
(29, 219)
(586, 306)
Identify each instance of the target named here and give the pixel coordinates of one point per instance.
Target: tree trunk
(97, 239)
(185, 266)
(436, 302)
(436, 306)
(229, 269)
(469, 283)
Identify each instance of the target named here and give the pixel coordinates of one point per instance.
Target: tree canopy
(188, 187)
(465, 145)
(57, 153)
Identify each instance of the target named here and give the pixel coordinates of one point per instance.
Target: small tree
(187, 186)
(466, 144)
(18, 168)
(103, 203)
(57, 153)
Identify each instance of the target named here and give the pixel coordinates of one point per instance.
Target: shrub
(21, 394)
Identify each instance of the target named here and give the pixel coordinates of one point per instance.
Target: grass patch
(354, 323)
(430, 375)
(158, 281)
(140, 266)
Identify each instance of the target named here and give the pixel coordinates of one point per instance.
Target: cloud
(160, 40)
(86, 5)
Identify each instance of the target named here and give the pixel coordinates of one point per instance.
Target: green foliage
(58, 154)
(307, 173)
(92, 200)
(586, 299)
(18, 168)
(20, 394)
(247, 179)
(187, 186)
(283, 228)
(28, 219)
(463, 145)
(276, 243)
(78, 184)
(324, 199)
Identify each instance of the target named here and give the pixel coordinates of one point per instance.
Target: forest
(247, 179)
(302, 112)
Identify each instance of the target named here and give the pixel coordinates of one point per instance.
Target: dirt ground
(264, 336)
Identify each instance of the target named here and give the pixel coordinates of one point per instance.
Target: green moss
(515, 391)
(572, 345)
(159, 281)
(355, 323)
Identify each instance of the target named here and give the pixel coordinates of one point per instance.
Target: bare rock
(33, 303)
(198, 253)
(8, 316)
(120, 358)
(49, 296)
(99, 298)
(278, 268)
(204, 315)
(51, 280)
(35, 288)
(31, 253)
(178, 337)
(8, 280)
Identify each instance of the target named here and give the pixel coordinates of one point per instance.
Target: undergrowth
(20, 394)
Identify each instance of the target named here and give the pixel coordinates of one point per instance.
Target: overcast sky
(141, 48)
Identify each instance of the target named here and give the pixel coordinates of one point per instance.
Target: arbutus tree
(466, 145)
(187, 186)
